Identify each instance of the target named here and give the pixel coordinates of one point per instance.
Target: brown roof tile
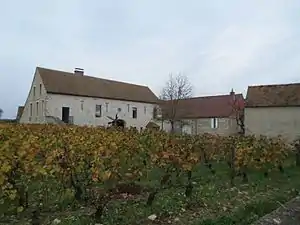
(205, 107)
(273, 95)
(152, 125)
(60, 82)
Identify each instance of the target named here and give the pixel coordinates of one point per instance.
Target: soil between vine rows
(213, 202)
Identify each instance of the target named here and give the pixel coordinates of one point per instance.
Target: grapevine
(95, 162)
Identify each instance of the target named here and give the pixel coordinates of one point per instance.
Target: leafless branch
(176, 88)
(238, 113)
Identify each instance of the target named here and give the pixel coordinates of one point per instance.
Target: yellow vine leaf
(187, 167)
(1, 179)
(20, 209)
(5, 167)
(12, 195)
(106, 175)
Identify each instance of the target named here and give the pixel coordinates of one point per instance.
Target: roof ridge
(209, 96)
(273, 95)
(274, 85)
(104, 79)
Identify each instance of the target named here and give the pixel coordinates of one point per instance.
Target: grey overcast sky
(219, 45)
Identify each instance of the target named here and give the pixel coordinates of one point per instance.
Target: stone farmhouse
(75, 98)
(208, 114)
(273, 110)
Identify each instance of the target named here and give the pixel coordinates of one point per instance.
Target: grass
(213, 202)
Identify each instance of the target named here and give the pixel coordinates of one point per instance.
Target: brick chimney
(232, 93)
(79, 71)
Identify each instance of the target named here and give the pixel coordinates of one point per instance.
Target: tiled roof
(205, 107)
(273, 95)
(152, 125)
(60, 82)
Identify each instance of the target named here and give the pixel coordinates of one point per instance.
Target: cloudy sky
(219, 45)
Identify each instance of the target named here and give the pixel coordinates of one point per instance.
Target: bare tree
(176, 88)
(237, 105)
(1, 112)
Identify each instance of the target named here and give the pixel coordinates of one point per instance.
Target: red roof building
(211, 114)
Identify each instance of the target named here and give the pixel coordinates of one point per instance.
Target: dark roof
(59, 82)
(19, 113)
(205, 107)
(273, 95)
(152, 125)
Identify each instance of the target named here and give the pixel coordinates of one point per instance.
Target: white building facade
(42, 105)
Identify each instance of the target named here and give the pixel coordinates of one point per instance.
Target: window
(34, 91)
(128, 107)
(157, 112)
(42, 110)
(37, 108)
(30, 109)
(214, 123)
(40, 89)
(106, 106)
(81, 104)
(98, 111)
(134, 112)
(145, 109)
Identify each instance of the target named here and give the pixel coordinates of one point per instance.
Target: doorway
(65, 114)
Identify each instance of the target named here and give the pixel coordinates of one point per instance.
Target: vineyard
(82, 175)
